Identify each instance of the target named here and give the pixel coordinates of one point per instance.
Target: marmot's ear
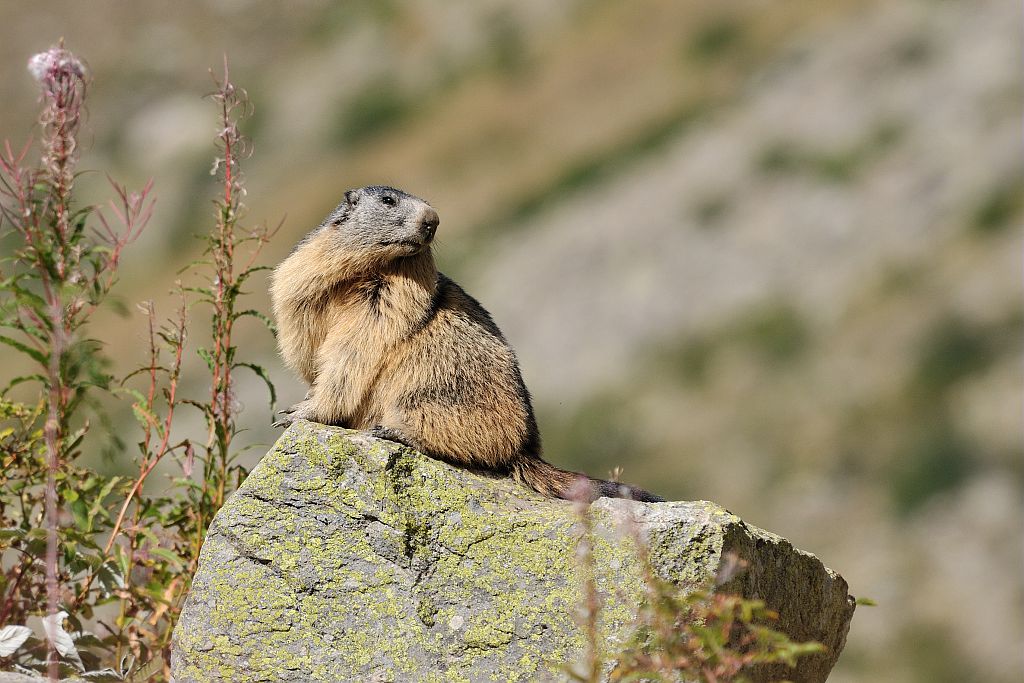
(352, 197)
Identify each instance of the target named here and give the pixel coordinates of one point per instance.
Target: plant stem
(53, 437)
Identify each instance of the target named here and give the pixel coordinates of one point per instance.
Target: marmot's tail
(545, 478)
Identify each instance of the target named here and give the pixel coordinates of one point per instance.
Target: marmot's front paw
(382, 432)
(300, 411)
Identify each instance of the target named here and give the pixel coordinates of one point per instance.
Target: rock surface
(344, 557)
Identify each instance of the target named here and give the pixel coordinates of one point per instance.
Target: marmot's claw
(299, 411)
(382, 432)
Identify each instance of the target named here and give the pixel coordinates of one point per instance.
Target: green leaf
(147, 671)
(255, 269)
(167, 556)
(24, 295)
(206, 410)
(35, 354)
(80, 515)
(205, 355)
(36, 541)
(260, 316)
(245, 274)
(207, 293)
(146, 419)
(75, 439)
(109, 578)
(97, 504)
(193, 264)
(262, 373)
(21, 379)
(123, 562)
(139, 397)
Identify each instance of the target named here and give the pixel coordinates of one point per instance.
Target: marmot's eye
(388, 200)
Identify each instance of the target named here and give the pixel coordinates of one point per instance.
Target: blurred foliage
(508, 45)
(716, 39)
(836, 166)
(691, 362)
(1000, 207)
(936, 460)
(952, 350)
(934, 456)
(596, 434)
(776, 332)
(921, 645)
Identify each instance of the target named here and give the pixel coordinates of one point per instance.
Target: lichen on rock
(345, 557)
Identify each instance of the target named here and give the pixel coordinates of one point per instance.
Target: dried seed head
(55, 65)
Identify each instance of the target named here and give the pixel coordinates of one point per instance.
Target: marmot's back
(390, 345)
(458, 386)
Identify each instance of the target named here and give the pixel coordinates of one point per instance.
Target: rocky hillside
(761, 253)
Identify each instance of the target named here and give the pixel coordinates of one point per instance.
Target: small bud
(190, 458)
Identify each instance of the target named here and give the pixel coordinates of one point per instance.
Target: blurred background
(763, 253)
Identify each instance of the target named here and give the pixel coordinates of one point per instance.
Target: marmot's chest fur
(388, 344)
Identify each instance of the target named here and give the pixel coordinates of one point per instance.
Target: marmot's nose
(430, 222)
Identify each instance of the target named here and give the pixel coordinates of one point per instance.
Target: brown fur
(388, 344)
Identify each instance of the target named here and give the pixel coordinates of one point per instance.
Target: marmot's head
(382, 222)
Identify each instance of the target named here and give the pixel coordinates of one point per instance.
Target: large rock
(347, 558)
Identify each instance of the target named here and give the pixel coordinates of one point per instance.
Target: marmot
(390, 345)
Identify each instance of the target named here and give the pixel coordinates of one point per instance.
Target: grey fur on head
(384, 220)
